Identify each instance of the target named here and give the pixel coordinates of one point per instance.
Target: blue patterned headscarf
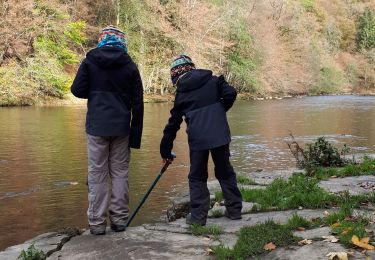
(180, 66)
(113, 37)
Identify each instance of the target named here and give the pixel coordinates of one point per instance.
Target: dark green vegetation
(366, 30)
(299, 191)
(321, 153)
(296, 192)
(251, 240)
(32, 254)
(367, 167)
(297, 221)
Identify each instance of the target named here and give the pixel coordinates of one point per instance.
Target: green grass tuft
(245, 180)
(252, 240)
(218, 196)
(32, 254)
(297, 221)
(198, 230)
(216, 213)
(298, 191)
(346, 229)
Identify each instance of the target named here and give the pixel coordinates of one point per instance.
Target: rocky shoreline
(174, 240)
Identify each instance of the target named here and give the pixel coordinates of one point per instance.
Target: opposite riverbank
(286, 215)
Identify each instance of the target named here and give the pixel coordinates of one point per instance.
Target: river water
(43, 155)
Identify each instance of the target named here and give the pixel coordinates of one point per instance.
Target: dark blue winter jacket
(111, 82)
(203, 99)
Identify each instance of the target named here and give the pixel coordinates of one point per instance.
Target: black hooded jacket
(111, 82)
(203, 99)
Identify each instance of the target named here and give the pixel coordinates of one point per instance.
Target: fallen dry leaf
(363, 243)
(210, 251)
(331, 239)
(74, 183)
(305, 242)
(206, 238)
(326, 213)
(337, 255)
(333, 176)
(269, 247)
(301, 229)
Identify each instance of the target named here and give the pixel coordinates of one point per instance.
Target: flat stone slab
(136, 243)
(313, 233)
(266, 178)
(48, 243)
(232, 226)
(317, 251)
(247, 207)
(252, 187)
(350, 184)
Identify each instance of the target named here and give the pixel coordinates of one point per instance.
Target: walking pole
(165, 167)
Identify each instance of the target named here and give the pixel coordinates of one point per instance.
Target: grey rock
(179, 207)
(266, 178)
(232, 226)
(313, 233)
(48, 243)
(228, 240)
(315, 251)
(135, 243)
(350, 184)
(252, 187)
(247, 207)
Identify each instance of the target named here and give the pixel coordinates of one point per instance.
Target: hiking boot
(118, 228)
(233, 216)
(191, 221)
(97, 231)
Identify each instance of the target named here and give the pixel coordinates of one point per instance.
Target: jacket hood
(193, 80)
(108, 57)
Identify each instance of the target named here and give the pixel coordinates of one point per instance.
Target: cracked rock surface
(48, 243)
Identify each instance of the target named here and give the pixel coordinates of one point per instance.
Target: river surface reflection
(43, 155)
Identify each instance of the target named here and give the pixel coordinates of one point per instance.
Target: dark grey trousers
(108, 169)
(199, 194)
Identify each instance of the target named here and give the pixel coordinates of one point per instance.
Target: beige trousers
(108, 170)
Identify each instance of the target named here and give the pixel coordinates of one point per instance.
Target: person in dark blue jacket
(111, 82)
(203, 100)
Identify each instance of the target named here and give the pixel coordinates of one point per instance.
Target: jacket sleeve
(170, 131)
(137, 107)
(80, 86)
(228, 93)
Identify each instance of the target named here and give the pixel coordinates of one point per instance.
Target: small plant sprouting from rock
(321, 153)
(198, 230)
(217, 213)
(245, 180)
(32, 254)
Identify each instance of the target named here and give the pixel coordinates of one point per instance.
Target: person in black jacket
(111, 82)
(203, 100)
